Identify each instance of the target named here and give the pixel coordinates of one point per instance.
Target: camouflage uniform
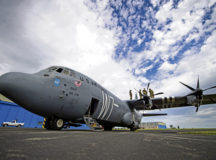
(130, 94)
(151, 92)
(144, 91)
(140, 94)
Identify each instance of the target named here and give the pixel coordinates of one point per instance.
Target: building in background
(153, 125)
(10, 111)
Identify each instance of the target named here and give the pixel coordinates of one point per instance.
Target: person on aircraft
(151, 92)
(144, 91)
(130, 94)
(136, 97)
(140, 94)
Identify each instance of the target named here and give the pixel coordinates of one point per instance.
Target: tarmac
(41, 144)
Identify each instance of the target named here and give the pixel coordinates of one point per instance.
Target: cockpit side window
(66, 71)
(59, 70)
(52, 69)
(72, 73)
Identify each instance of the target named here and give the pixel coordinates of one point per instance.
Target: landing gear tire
(57, 124)
(133, 128)
(54, 124)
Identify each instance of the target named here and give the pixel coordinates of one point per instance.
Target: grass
(200, 132)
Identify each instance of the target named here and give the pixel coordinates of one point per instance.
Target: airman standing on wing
(140, 94)
(151, 92)
(136, 97)
(130, 94)
(144, 91)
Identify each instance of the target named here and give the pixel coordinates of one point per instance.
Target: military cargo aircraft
(65, 96)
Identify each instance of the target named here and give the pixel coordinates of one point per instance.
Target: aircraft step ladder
(92, 123)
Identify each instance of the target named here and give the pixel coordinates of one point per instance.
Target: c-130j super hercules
(66, 97)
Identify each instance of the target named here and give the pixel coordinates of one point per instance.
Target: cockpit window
(52, 69)
(72, 73)
(66, 71)
(59, 70)
(63, 70)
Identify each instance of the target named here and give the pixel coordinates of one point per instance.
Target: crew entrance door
(92, 107)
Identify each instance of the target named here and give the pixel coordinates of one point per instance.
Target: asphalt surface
(20, 143)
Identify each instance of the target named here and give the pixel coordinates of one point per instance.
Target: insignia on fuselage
(77, 83)
(57, 82)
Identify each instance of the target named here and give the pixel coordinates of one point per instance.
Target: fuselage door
(92, 107)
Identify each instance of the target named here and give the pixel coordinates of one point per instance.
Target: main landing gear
(108, 128)
(53, 123)
(133, 127)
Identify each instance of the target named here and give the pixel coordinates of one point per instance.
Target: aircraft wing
(170, 102)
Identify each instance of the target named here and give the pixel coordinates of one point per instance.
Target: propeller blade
(192, 89)
(148, 87)
(209, 88)
(190, 94)
(197, 108)
(198, 82)
(159, 93)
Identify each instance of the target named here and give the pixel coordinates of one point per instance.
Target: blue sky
(138, 23)
(121, 44)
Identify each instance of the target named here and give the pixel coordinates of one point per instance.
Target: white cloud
(187, 16)
(183, 19)
(188, 69)
(166, 66)
(155, 2)
(69, 34)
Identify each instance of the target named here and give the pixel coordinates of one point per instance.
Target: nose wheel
(54, 124)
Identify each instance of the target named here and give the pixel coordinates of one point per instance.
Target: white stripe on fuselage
(106, 106)
(102, 108)
(111, 98)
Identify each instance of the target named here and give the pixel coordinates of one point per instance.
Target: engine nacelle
(132, 118)
(127, 119)
(193, 100)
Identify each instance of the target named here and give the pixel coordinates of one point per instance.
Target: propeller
(158, 93)
(148, 88)
(147, 98)
(198, 93)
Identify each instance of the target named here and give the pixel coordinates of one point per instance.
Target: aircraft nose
(5, 81)
(22, 88)
(12, 83)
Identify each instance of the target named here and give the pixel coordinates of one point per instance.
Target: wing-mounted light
(196, 96)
